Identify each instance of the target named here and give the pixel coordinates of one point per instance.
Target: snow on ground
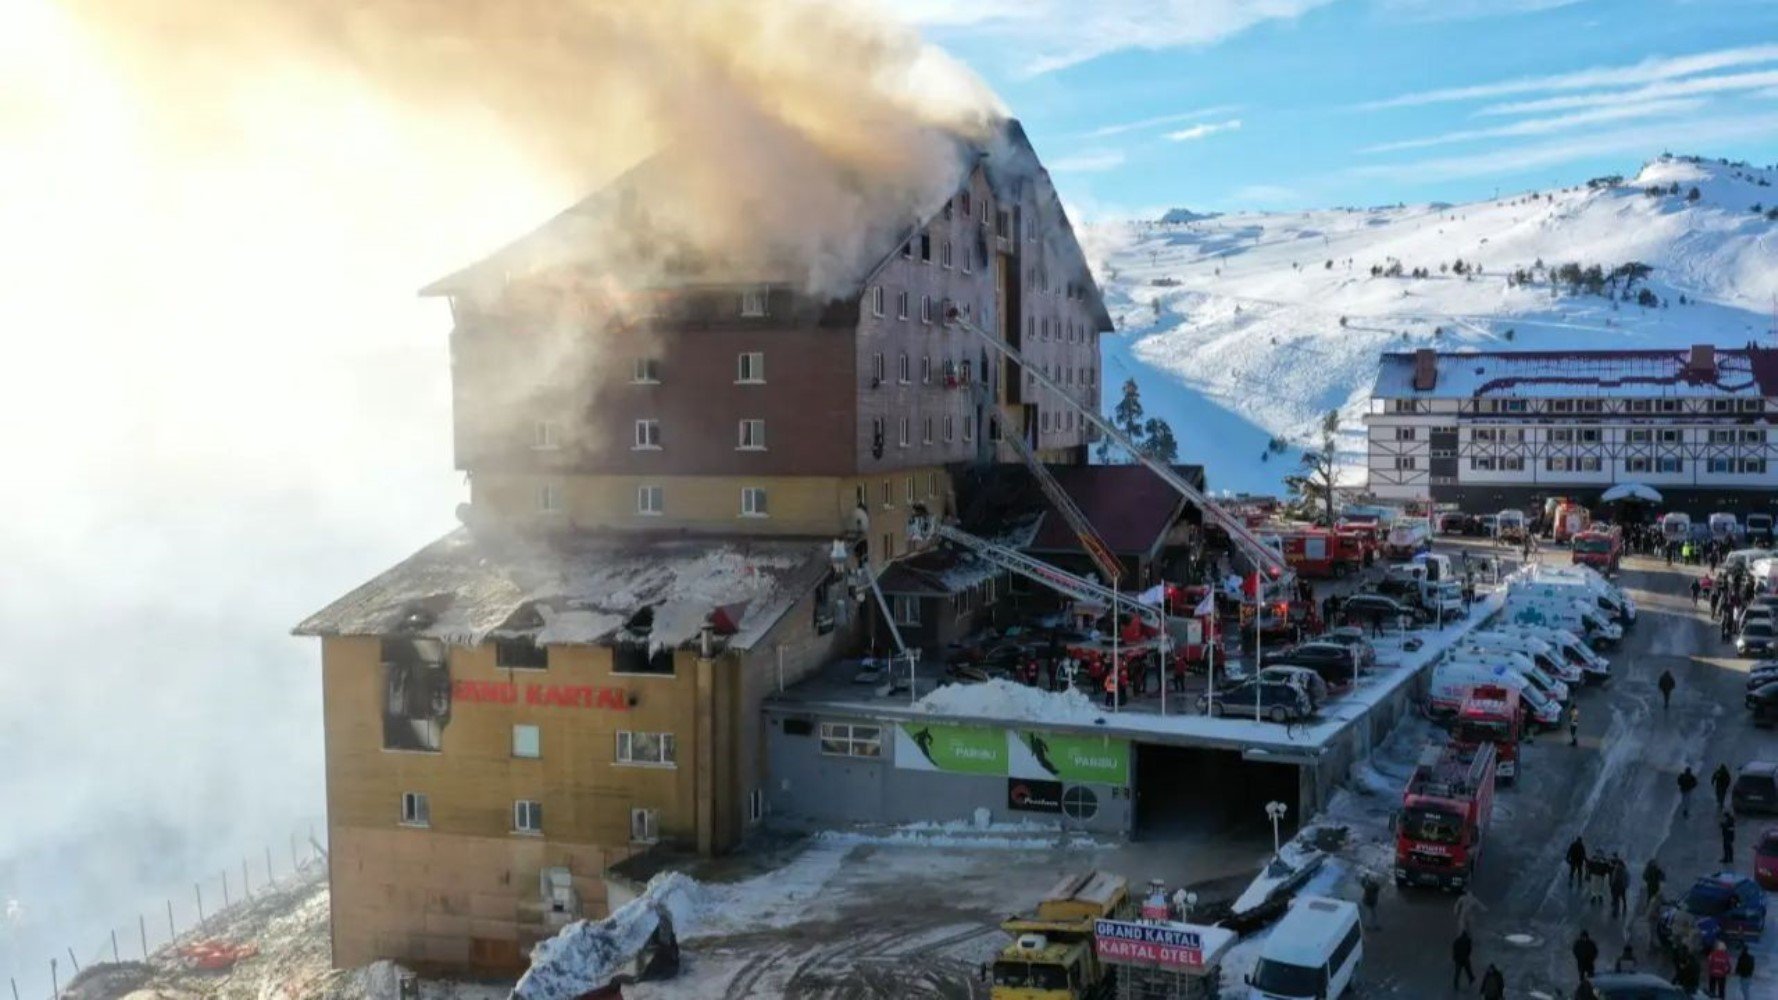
(1244, 327)
(1004, 699)
(586, 954)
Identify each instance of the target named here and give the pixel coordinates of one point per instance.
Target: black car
(1635, 986)
(1763, 702)
(1757, 639)
(1756, 788)
(1761, 675)
(1334, 662)
(1360, 609)
(1277, 701)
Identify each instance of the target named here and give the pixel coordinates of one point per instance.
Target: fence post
(114, 956)
(268, 864)
(55, 981)
(172, 932)
(142, 927)
(74, 961)
(294, 863)
(246, 883)
(198, 890)
(15, 988)
(225, 901)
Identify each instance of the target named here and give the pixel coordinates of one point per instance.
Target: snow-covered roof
(577, 588)
(1744, 372)
(943, 572)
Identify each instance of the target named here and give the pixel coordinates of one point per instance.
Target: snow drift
(1004, 699)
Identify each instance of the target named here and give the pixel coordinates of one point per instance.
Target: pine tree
(1158, 441)
(1128, 415)
(1314, 483)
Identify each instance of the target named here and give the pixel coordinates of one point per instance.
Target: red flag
(1250, 586)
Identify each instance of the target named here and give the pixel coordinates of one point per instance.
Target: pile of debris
(637, 942)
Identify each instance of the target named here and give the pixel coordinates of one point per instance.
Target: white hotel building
(1488, 431)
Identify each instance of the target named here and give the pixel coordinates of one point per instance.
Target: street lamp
(1275, 811)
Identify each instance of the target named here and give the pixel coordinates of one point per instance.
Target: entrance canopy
(1631, 491)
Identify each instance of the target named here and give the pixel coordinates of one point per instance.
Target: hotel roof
(1742, 372)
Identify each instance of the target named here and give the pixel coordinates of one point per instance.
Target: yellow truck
(1051, 956)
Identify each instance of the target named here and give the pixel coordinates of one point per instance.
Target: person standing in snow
(1744, 972)
(1466, 908)
(1368, 900)
(1626, 962)
(1667, 684)
(1577, 859)
(1718, 966)
(1727, 825)
(1697, 588)
(1728, 628)
(1715, 602)
(1652, 877)
(1574, 725)
(1460, 951)
(1688, 782)
(1493, 983)
(1586, 953)
(1598, 877)
(1620, 886)
(1720, 779)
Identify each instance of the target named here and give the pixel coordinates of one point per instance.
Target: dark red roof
(1129, 505)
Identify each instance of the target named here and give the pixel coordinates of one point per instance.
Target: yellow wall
(797, 505)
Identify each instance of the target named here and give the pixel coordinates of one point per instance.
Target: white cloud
(1457, 10)
(1652, 92)
(1627, 141)
(1649, 70)
(1544, 126)
(1183, 116)
(1087, 161)
(1056, 34)
(1201, 131)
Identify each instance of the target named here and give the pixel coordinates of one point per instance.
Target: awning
(1631, 491)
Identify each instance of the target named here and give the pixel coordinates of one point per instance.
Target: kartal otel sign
(1122, 942)
(563, 695)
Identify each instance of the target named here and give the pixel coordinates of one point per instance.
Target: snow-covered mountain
(1243, 328)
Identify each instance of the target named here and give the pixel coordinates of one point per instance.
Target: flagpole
(1259, 613)
(1166, 668)
(1117, 679)
(1210, 639)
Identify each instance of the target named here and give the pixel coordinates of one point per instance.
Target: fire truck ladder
(871, 575)
(1090, 540)
(1043, 573)
(1263, 555)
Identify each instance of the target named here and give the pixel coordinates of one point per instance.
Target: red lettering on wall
(558, 695)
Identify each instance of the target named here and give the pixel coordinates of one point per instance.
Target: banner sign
(560, 695)
(1097, 760)
(1120, 942)
(922, 746)
(1032, 795)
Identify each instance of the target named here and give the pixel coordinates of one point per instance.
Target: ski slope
(1245, 327)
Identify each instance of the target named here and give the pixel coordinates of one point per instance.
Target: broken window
(634, 652)
(416, 694)
(926, 247)
(520, 654)
(753, 302)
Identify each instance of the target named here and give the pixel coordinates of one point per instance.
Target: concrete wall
(811, 789)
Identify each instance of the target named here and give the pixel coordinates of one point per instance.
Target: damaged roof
(1132, 508)
(579, 588)
(1742, 372)
(946, 571)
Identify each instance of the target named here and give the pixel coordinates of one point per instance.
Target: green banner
(1098, 760)
(922, 746)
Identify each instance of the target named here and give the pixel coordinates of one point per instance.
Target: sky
(1142, 105)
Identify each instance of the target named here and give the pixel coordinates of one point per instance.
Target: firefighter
(1110, 685)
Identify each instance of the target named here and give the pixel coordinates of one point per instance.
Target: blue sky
(1137, 105)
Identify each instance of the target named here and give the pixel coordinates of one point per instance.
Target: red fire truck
(1318, 552)
(1492, 715)
(1600, 548)
(1444, 814)
(1570, 519)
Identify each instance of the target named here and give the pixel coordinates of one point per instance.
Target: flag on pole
(1206, 606)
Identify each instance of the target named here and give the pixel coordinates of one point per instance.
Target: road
(1616, 790)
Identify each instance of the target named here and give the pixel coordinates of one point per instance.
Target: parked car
(1763, 703)
(1765, 858)
(1359, 609)
(1303, 678)
(1758, 613)
(1454, 524)
(1758, 638)
(1756, 787)
(1763, 673)
(1635, 986)
(1727, 906)
(1276, 702)
(1352, 636)
(1336, 663)
(1488, 525)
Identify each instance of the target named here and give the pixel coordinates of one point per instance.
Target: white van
(1595, 669)
(1518, 663)
(1610, 598)
(1676, 526)
(1724, 527)
(1313, 953)
(1547, 657)
(1510, 525)
(1556, 608)
(1452, 682)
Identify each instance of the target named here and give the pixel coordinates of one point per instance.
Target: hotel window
(645, 826)
(1722, 406)
(884, 493)
(1589, 464)
(753, 302)
(1561, 406)
(944, 254)
(415, 809)
(926, 247)
(753, 502)
(968, 259)
(750, 367)
(926, 369)
(1667, 405)
(1636, 465)
(1588, 435)
(901, 305)
(647, 749)
(549, 498)
(910, 493)
(1722, 437)
(545, 436)
(1752, 405)
(527, 742)
(1482, 434)
(1512, 464)
(1562, 436)
(752, 435)
(1638, 435)
(1481, 463)
(876, 368)
(1670, 436)
(1556, 464)
(1722, 465)
(1031, 328)
(1405, 433)
(1514, 406)
(950, 429)
(963, 199)
(756, 805)
(904, 370)
(876, 300)
(851, 739)
(1587, 406)
(907, 610)
(907, 249)
(648, 435)
(1669, 465)
(925, 308)
(902, 437)
(1754, 465)
(527, 816)
(1754, 437)
(1405, 463)
(968, 429)
(645, 371)
(1044, 421)
(932, 484)
(926, 430)
(520, 654)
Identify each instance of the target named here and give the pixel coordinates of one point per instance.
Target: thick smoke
(223, 403)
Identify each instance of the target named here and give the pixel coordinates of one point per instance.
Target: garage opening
(1195, 791)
